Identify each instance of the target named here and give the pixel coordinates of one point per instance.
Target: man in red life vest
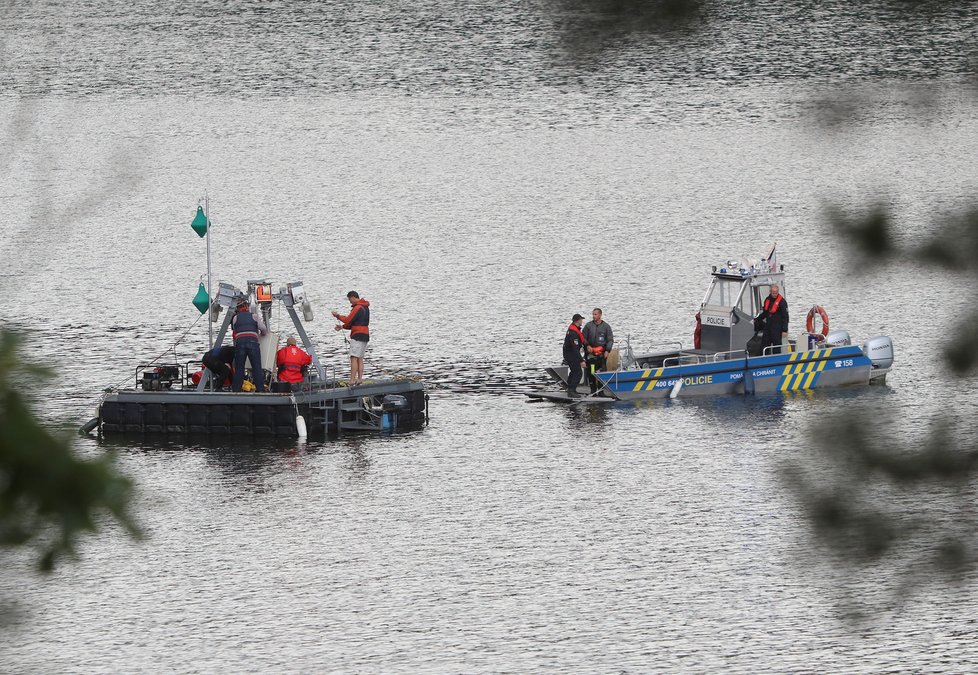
(574, 343)
(775, 317)
(292, 363)
(357, 322)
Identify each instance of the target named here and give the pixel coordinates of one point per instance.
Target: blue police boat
(725, 358)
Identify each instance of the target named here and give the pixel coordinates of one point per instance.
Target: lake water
(478, 184)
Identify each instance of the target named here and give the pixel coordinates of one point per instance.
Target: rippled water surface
(476, 180)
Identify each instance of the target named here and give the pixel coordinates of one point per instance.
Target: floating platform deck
(326, 409)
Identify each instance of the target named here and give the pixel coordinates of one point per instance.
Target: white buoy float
(300, 426)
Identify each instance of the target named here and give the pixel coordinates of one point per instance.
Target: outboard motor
(880, 351)
(838, 338)
(393, 404)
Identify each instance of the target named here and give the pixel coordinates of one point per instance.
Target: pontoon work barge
(166, 400)
(375, 406)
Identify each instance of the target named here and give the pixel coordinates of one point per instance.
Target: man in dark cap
(247, 328)
(574, 345)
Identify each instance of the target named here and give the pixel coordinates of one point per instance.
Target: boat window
(760, 292)
(724, 292)
(745, 303)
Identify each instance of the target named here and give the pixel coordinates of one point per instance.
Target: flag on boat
(771, 261)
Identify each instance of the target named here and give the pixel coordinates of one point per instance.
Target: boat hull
(798, 371)
(325, 411)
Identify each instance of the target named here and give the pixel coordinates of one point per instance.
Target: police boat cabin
(303, 397)
(741, 346)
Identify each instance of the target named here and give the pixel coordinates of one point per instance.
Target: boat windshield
(724, 293)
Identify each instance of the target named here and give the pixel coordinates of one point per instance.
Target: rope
(171, 348)
(393, 376)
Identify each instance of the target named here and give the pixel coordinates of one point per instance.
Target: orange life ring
(810, 322)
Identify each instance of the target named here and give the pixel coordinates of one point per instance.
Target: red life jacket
(196, 378)
(290, 360)
(358, 320)
(773, 308)
(577, 330)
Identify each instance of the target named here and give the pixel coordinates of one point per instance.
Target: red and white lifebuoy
(810, 322)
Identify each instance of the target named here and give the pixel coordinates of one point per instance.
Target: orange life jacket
(577, 330)
(290, 360)
(358, 320)
(773, 308)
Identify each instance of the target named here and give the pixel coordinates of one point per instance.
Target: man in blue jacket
(246, 328)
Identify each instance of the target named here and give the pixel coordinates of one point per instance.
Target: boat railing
(769, 350)
(660, 345)
(728, 354)
(680, 360)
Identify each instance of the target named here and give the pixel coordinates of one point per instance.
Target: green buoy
(202, 301)
(200, 223)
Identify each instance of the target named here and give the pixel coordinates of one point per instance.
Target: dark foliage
(48, 495)
(588, 26)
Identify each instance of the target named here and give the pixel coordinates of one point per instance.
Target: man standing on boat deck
(357, 322)
(600, 340)
(775, 318)
(246, 327)
(573, 344)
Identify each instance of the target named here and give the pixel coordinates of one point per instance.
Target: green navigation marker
(200, 223)
(202, 301)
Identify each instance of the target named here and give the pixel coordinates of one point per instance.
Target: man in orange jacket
(357, 322)
(292, 362)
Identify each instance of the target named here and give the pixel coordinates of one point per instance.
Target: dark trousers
(574, 378)
(768, 340)
(594, 364)
(247, 349)
(220, 369)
